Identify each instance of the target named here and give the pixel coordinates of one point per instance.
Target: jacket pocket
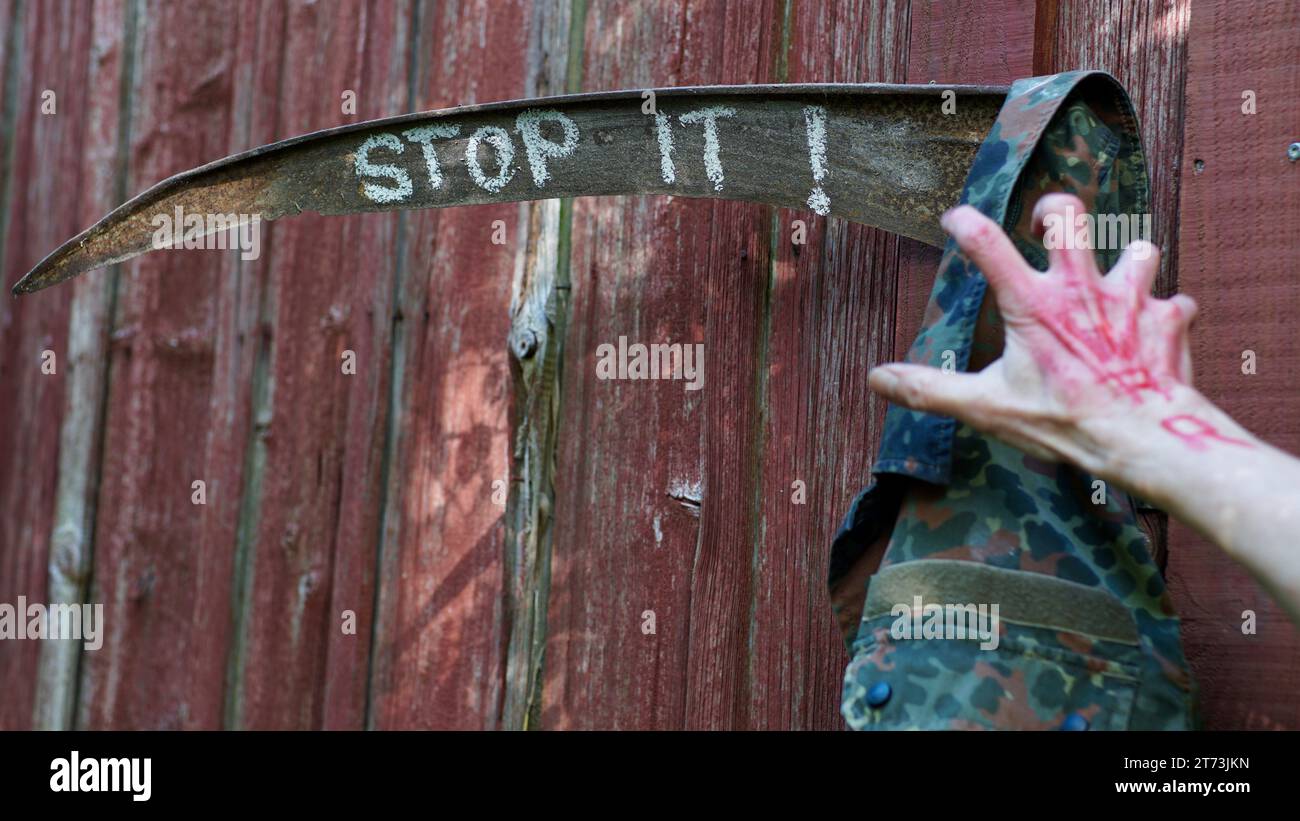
(1052, 655)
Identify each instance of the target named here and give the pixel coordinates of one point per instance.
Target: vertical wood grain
(102, 180)
(152, 551)
(680, 504)
(830, 320)
(48, 50)
(1237, 250)
(539, 319)
(631, 533)
(443, 631)
(725, 580)
(12, 33)
(320, 428)
(954, 41)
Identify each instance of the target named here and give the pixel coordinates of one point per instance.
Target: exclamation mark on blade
(814, 117)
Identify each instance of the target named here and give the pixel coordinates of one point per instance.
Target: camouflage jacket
(1079, 632)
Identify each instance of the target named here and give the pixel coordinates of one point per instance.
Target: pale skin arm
(1097, 372)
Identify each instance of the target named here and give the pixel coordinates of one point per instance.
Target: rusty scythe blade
(892, 156)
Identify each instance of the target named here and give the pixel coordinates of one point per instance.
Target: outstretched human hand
(1096, 372)
(1083, 352)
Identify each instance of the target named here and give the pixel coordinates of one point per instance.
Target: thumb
(927, 389)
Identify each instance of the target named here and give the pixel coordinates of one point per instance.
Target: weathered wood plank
(162, 576)
(743, 671)
(1237, 246)
(51, 45)
(628, 537)
(11, 45)
(539, 311)
(954, 41)
(306, 621)
(230, 450)
(102, 180)
(443, 630)
(830, 319)
(724, 576)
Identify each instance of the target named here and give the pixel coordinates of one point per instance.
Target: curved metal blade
(892, 156)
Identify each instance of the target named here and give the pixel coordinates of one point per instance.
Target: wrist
(1155, 449)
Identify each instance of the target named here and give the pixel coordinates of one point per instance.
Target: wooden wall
(497, 519)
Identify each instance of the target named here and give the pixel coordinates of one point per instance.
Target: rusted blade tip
(27, 285)
(46, 273)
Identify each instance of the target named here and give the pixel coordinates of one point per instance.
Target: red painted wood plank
(161, 574)
(725, 576)
(241, 345)
(442, 629)
(81, 433)
(43, 208)
(953, 41)
(321, 419)
(1237, 250)
(633, 455)
(831, 319)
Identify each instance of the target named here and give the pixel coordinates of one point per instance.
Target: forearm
(1192, 460)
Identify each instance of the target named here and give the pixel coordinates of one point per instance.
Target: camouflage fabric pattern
(1007, 509)
(1030, 682)
(979, 500)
